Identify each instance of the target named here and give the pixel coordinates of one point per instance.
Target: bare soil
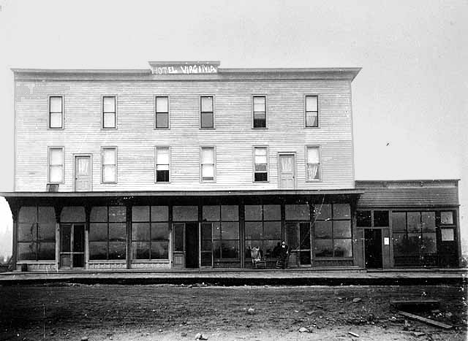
(168, 312)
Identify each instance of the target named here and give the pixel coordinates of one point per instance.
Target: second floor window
(56, 165)
(313, 164)
(109, 113)
(311, 111)
(206, 112)
(207, 164)
(259, 112)
(109, 165)
(162, 112)
(162, 164)
(55, 112)
(261, 164)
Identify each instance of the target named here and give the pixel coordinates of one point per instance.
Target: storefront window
(224, 221)
(262, 229)
(36, 233)
(107, 233)
(333, 230)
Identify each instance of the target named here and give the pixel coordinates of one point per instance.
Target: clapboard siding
(136, 138)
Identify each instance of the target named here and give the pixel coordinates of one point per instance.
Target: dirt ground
(169, 312)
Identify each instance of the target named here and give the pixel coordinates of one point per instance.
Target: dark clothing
(283, 257)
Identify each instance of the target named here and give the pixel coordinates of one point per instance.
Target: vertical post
(14, 214)
(128, 206)
(86, 236)
(58, 212)
(242, 231)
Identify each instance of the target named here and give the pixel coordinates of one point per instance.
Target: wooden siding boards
(417, 194)
(135, 136)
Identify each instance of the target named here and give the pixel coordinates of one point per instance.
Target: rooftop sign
(184, 68)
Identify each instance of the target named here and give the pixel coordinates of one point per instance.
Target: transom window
(56, 165)
(260, 164)
(162, 112)
(259, 112)
(109, 112)
(206, 112)
(55, 112)
(207, 164)
(162, 164)
(311, 111)
(109, 165)
(313, 164)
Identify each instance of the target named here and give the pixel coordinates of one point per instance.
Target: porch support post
(58, 212)
(14, 214)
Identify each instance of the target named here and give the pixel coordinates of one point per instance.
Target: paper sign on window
(446, 218)
(447, 235)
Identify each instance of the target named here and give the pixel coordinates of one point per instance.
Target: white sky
(410, 101)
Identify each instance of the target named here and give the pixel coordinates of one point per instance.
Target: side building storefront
(380, 224)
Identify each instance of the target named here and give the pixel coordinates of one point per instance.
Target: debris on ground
(353, 334)
(305, 330)
(425, 320)
(251, 311)
(357, 299)
(200, 336)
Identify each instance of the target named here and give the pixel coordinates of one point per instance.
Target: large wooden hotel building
(189, 165)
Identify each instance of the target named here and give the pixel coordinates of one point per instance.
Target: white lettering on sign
(185, 69)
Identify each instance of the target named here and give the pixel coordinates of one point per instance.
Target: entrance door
(206, 250)
(298, 241)
(373, 248)
(83, 178)
(72, 240)
(192, 245)
(287, 171)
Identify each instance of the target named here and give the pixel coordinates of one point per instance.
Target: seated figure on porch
(256, 255)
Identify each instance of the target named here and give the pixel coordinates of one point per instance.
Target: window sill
(259, 128)
(161, 128)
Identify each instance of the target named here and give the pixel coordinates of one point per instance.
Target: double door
(72, 242)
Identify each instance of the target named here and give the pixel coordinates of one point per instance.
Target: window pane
(428, 243)
(117, 250)
(323, 248)
(55, 120)
(56, 156)
(341, 211)
(46, 251)
(343, 248)
(428, 220)
(259, 103)
(162, 156)
(97, 250)
(46, 214)
(364, 218)
(109, 104)
(109, 120)
(98, 214)
(230, 230)
(117, 214)
(73, 214)
(272, 212)
(178, 237)
(109, 174)
(162, 121)
(311, 103)
(109, 156)
(253, 230)
(141, 231)
(207, 156)
(208, 172)
(253, 212)
(311, 119)
(226, 249)
(259, 123)
(118, 232)
(159, 231)
(313, 155)
(399, 221)
(272, 230)
(323, 212)
(381, 219)
(414, 221)
(98, 232)
(229, 213)
(141, 250)
(27, 232)
(297, 212)
(211, 213)
(446, 218)
(55, 104)
(159, 213)
(207, 120)
(323, 229)
(26, 251)
(207, 104)
(162, 104)
(162, 175)
(46, 232)
(56, 174)
(342, 229)
(28, 214)
(185, 213)
(160, 250)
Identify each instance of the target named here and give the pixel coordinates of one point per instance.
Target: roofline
(179, 193)
(83, 71)
(407, 180)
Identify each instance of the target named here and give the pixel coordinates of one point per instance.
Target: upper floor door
(287, 171)
(83, 173)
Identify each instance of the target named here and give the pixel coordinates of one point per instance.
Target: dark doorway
(191, 244)
(72, 240)
(373, 248)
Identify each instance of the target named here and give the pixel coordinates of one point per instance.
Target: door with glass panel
(83, 171)
(298, 240)
(72, 241)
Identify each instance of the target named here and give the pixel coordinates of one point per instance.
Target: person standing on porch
(282, 262)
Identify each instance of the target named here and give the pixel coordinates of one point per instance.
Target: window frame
(62, 112)
(319, 171)
(62, 148)
(254, 148)
(156, 164)
(115, 165)
(253, 111)
(207, 112)
(109, 112)
(156, 112)
(201, 164)
(307, 111)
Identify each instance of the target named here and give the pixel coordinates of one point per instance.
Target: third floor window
(206, 112)
(55, 112)
(311, 111)
(259, 112)
(109, 112)
(162, 112)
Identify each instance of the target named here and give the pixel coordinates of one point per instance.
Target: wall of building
(136, 138)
